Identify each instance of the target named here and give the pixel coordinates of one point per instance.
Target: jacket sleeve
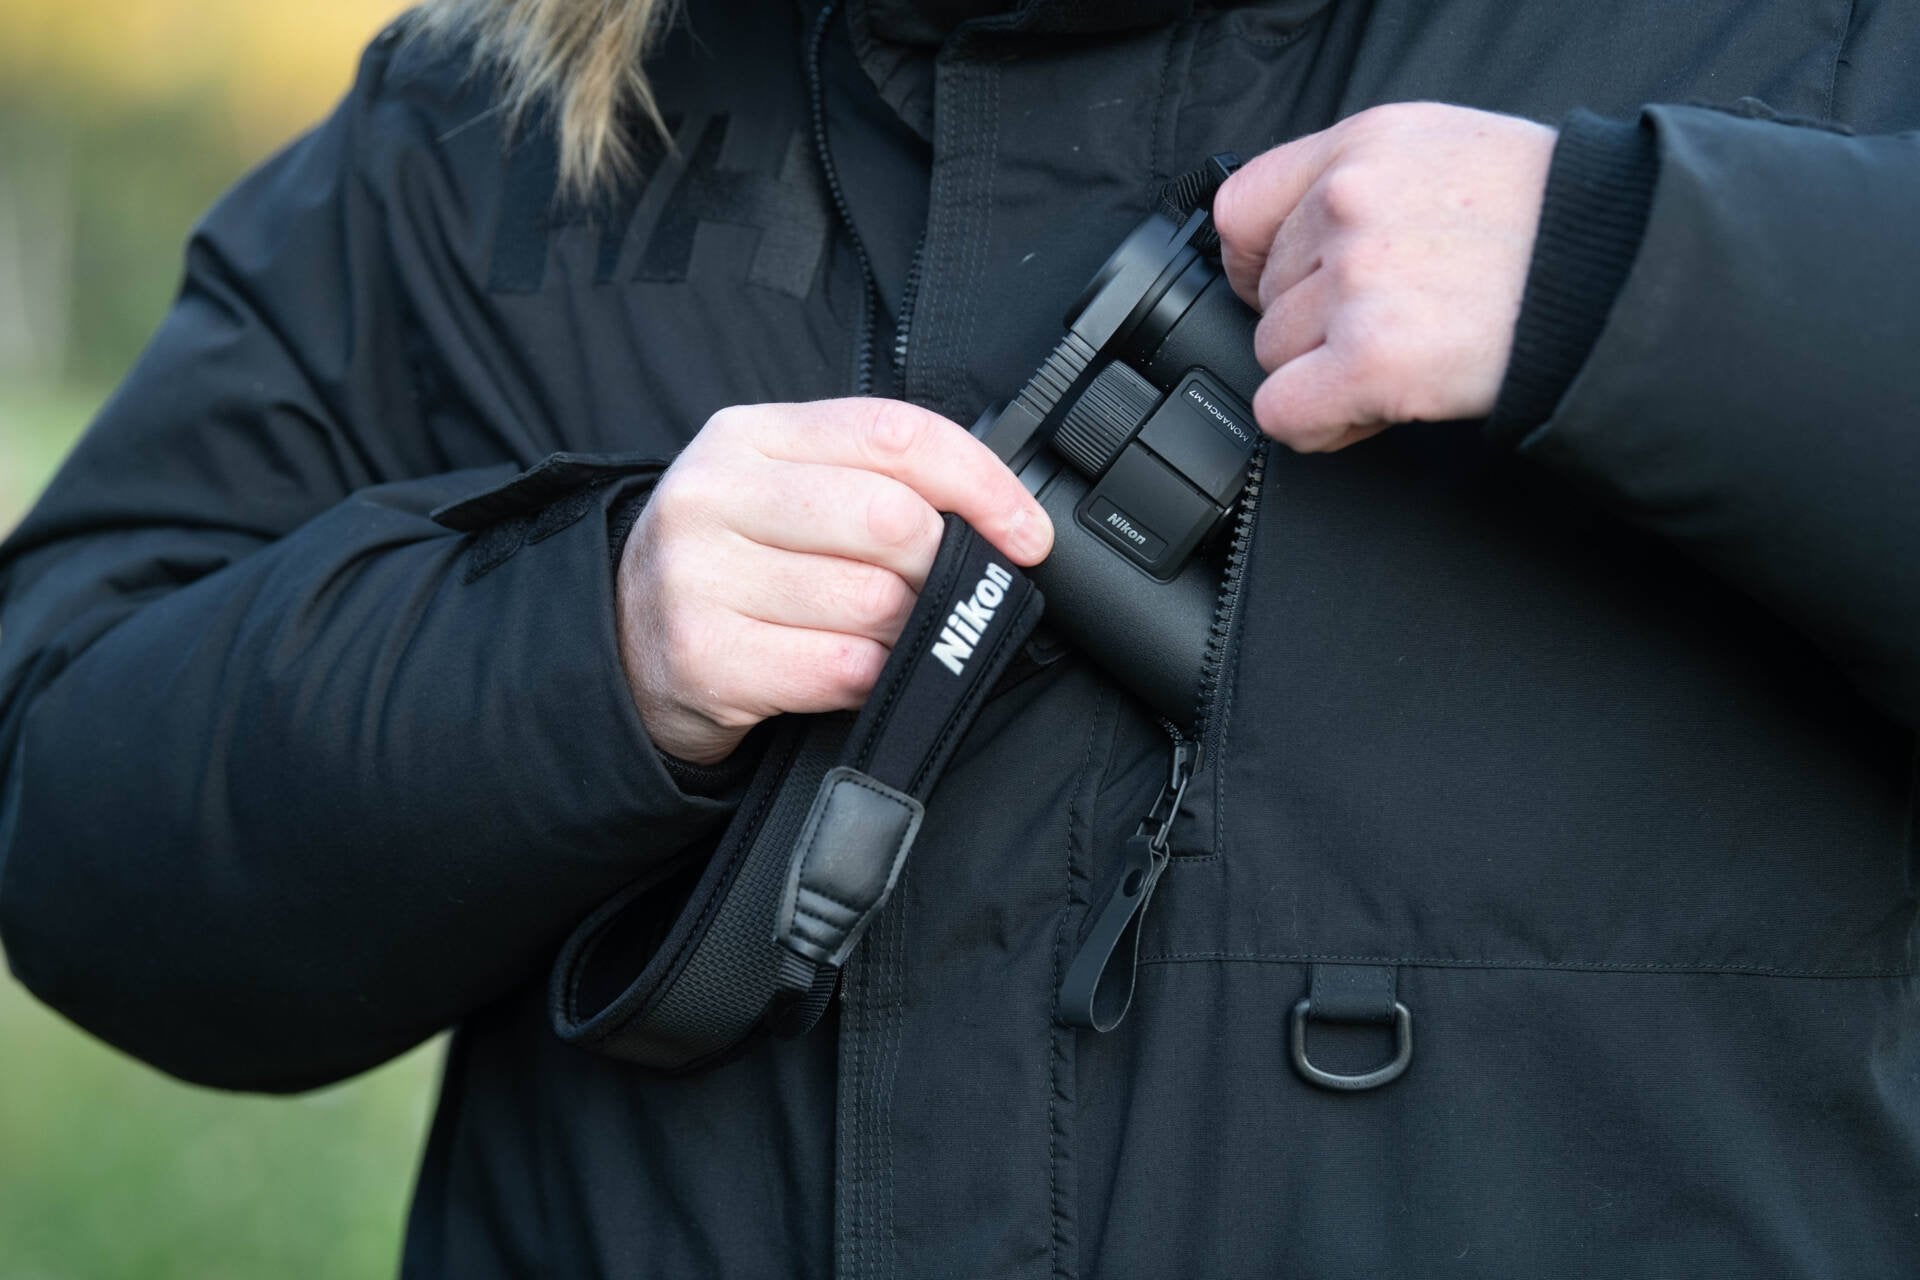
(292, 773)
(1754, 394)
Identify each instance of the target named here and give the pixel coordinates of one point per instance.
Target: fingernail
(1028, 535)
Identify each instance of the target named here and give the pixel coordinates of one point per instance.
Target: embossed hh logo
(659, 215)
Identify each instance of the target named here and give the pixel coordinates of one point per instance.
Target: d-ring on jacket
(1587, 738)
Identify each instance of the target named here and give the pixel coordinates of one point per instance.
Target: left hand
(1387, 256)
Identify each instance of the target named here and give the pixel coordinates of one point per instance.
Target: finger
(1315, 404)
(799, 670)
(815, 592)
(931, 455)
(1298, 249)
(1294, 324)
(1250, 206)
(836, 511)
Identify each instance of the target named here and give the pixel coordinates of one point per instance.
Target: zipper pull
(1096, 993)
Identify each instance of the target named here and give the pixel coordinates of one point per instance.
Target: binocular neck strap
(812, 853)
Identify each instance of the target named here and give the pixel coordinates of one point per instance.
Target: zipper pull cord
(1096, 992)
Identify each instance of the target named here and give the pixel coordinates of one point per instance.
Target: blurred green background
(120, 121)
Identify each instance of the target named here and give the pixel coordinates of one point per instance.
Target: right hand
(779, 557)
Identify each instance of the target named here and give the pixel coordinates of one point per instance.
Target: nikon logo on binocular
(1125, 526)
(970, 619)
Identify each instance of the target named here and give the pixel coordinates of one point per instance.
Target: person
(501, 466)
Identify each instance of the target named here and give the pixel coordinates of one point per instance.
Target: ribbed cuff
(715, 781)
(1595, 211)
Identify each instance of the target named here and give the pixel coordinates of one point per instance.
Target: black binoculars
(1137, 438)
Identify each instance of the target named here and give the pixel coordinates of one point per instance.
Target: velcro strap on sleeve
(813, 852)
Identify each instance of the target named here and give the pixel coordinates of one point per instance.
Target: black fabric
(1603, 741)
(884, 167)
(815, 847)
(1595, 209)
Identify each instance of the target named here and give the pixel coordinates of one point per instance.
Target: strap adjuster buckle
(847, 860)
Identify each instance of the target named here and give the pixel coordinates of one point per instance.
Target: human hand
(1387, 256)
(779, 557)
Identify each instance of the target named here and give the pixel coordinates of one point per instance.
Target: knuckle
(892, 433)
(1406, 400)
(1271, 277)
(897, 518)
(1269, 340)
(726, 422)
(1320, 438)
(872, 598)
(1358, 268)
(853, 668)
(1371, 359)
(684, 490)
(1348, 193)
(1387, 116)
(663, 576)
(838, 675)
(731, 713)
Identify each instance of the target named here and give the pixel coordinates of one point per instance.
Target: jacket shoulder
(427, 139)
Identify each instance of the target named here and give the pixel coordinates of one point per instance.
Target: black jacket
(1590, 740)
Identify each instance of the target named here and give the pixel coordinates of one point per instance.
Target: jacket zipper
(869, 290)
(1226, 611)
(903, 327)
(1098, 986)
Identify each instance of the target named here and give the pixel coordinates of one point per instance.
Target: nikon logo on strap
(970, 619)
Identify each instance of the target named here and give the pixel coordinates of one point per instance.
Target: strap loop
(1353, 994)
(1097, 990)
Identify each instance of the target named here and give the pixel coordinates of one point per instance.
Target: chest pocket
(1468, 719)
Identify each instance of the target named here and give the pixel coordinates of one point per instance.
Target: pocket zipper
(1098, 986)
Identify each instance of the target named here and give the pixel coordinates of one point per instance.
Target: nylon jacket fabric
(1590, 741)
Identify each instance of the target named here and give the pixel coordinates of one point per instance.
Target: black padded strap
(813, 851)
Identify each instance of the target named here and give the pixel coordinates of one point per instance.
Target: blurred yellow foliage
(270, 66)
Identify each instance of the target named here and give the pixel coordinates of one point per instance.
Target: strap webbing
(813, 851)
(1193, 191)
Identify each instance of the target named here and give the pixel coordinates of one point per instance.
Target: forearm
(280, 823)
(1749, 392)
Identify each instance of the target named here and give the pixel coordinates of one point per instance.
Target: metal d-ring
(1402, 1053)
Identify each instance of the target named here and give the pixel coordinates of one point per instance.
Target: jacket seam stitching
(1573, 966)
(1839, 54)
(1055, 1113)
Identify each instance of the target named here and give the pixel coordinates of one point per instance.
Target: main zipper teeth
(863, 353)
(1227, 604)
(908, 296)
